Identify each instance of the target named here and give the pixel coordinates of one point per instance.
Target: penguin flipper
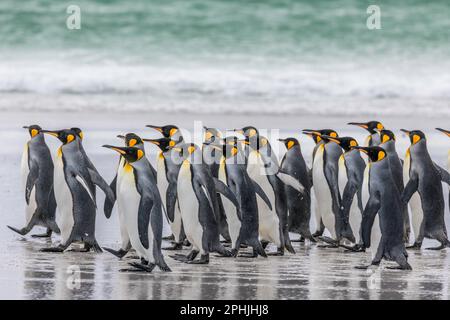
(31, 180)
(109, 205)
(290, 181)
(410, 188)
(101, 183)
(260, 192)
(223, 189)
(347, 199)
(445, 176)
(171, 199)
(145, 207)
(372, 207)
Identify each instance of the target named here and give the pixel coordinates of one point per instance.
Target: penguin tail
(22, 231)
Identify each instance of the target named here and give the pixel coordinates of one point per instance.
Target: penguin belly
(323, 193)
(414, 203)
(354, 214)
(64, 200)
(234, 224)
(269, 223)
(189, 206)
(375, 236)
(122, 222)
(130, 199)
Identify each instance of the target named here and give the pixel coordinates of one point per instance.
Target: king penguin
(196, 189)
(243, 223)
(447, 133)
(373, 127)
(74, 185)
(130, 140)
(263, 168)
(388, 144)
(142, 210)
(385, 202)
(299, 203)
(37, 179)
(351, 174)
(167, 174)
(425, 178)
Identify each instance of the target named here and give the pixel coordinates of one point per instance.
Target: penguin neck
(389, 146)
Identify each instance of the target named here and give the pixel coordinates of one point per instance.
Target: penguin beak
(405, 131)
(118, 149)
(156, 142)
(26, 127)
(154, 127)
(359, 124)
(331, 139)
(121, 136)
(362, 149)
(52, 133)
(446, 132)
(282, 140)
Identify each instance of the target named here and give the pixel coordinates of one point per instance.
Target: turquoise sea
(214, 56)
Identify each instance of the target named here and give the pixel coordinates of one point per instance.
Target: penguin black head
(131, 139)
(375, 154)
(167, 131)
(78, 132)
(33, 130)
(165, 144)
(131, 154)
(187, 150)
(415, 136)
(65, 136)
(316, 134)
(386, 135)
(248, 131)
(289, 142)
(211, 134)
(446, 132)
(371, 126)
(346, 143)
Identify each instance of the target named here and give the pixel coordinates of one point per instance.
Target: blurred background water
(226, 56)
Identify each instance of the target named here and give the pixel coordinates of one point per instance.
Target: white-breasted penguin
(388, 140)
(142, 208)
(299, 203)
(385, 202)
(374, 127)
(37, 179)
(196, 190)
(263, 168)
(74, 184)
(425, 178)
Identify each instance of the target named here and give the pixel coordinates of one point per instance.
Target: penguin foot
(363, 267)
(404, 267)
(181, 257)
(415, 246)
(133, 257)
(22, 231)
(317, 234)
(168, 238)
(53, 249)
(175, 246)
(119, 253)
(289, 248)
(442, 246)
(204, 259)
(353, 249)
(165, 268)
(264, 243)
(144, 267)
(186, 243)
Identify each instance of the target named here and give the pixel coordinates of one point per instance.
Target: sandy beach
(312, 273)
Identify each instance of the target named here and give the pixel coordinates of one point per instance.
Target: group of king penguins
(232, 193)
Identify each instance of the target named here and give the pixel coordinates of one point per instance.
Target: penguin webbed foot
(331, 243)
(407, 266)
(58, 249)
(175, 246)
(118, 253)
(143, 267)
(415, 246)
(353, 249)
(442, 246)
(204, 259)
(22, 231)
(169, 238)
(183, 258)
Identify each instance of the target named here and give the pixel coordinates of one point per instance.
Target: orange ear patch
(132, 142)
(415, 138)
(290, 144)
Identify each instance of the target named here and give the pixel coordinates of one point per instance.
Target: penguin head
(386, 136)
(446, 132)
(317, 134)
(415, 136)
(346, 143)
(131, 154)
(131, 139)
(289, 142)
(212, 134)
(248, 132)
(78, 132)
(165, 144)
(66, 136)
(168, 131)
(375, 154)
(33, 130)
(371, 126)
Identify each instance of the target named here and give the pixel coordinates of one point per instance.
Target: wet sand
(312, 273)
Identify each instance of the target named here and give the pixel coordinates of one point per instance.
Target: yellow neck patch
(127, 167)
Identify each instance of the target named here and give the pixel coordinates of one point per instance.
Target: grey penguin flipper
(445, 176)
(109, 205)
(171, 200)
(223, 189)
(33, 175)
(25, 230)
(372, 207)
(101, 183)
(260, 192)
(145, 206)
(290, 181)
(410, 188)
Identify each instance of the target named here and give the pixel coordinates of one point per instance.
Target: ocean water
(286, 56)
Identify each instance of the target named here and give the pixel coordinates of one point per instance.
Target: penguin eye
(34, 132)
(140, 154)
(353, 143)
(416, 138)
(172, 131)
(381, 155)
(333, 134)
(132, 142)
(70, 138)
(290, 144)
